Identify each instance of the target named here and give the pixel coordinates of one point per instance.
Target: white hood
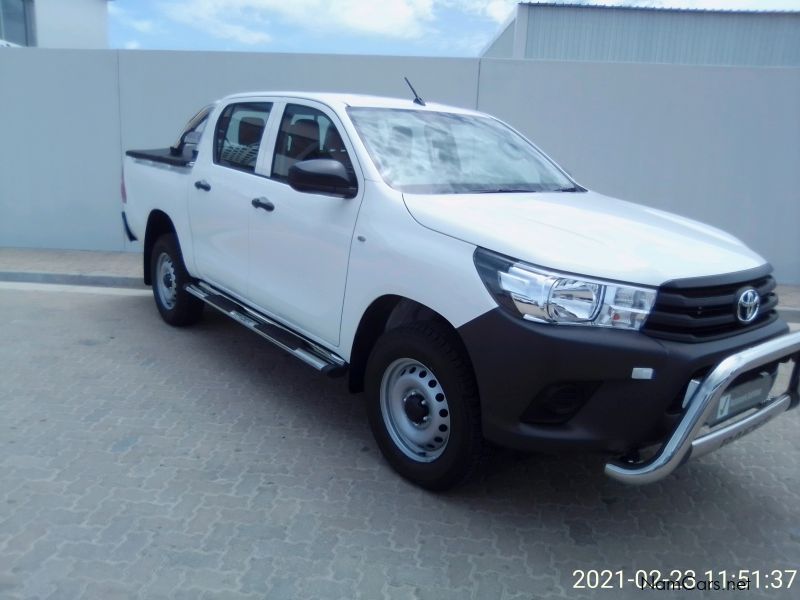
(586, 233)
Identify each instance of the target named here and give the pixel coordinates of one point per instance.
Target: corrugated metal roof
(556, 31)
(652, 34)
(666, 8)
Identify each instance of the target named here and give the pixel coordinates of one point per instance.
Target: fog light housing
(559, 402)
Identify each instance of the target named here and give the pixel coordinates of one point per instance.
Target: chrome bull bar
(686, 441)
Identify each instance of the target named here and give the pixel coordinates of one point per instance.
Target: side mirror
(322, 176)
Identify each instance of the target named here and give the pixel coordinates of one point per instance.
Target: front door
(299, 251)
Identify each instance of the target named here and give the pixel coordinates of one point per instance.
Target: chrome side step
(310, 353)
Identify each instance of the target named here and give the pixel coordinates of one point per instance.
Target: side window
(306, 133)
(238, 135)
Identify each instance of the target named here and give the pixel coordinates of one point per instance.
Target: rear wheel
(423, 405)
(176, 306)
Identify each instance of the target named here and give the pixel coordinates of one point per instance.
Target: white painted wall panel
(161, 90)
(718, 144)
(59, 149)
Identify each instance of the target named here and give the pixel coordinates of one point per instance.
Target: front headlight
(549, 297)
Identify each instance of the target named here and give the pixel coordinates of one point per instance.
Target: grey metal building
(638, 34)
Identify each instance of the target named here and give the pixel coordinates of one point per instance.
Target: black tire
(434, 346)
(176, 306)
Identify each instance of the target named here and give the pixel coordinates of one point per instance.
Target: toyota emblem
(747, 306)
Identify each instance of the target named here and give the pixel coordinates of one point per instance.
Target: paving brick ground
(141, 461)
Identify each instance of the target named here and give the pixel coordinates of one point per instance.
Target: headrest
(333, 141)
(402, 134)
(304, 128)
(250, 130)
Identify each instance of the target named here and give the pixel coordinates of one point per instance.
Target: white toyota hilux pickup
(467, 284)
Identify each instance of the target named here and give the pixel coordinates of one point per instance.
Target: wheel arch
(385, 313)
(158, 224)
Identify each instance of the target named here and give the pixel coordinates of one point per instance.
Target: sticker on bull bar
(742, 397)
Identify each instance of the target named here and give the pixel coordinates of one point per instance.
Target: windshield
(429, 152)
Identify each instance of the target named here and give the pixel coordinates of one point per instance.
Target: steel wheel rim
(415, 410)
(166, 286)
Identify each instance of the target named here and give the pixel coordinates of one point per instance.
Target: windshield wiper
(574, 188)
(515, 190)
(506, 190)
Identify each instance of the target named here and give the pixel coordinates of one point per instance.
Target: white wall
(59, 149)
(159, 90)
(71, 23)
(719, 144)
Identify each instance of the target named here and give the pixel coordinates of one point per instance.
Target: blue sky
(403, 27)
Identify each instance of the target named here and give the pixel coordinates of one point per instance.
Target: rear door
(299, 251)
(225, 181)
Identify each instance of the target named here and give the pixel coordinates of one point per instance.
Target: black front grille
(704, 309)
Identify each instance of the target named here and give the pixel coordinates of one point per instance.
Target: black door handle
(263, 203)
(202, 185)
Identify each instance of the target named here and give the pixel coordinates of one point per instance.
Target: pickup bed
(461, 279)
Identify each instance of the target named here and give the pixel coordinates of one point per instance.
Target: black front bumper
(517, 363)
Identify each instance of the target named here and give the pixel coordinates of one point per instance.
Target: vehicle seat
(401, 145)
(302, 140)
(250, 130)
(244, 152)
(442, 148)
(402, 141)
(334, 147)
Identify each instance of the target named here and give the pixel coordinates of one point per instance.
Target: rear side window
(238, 135)
(306, 133)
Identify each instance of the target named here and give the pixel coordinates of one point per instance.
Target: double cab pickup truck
(469, 286)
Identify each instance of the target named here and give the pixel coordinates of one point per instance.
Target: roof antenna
(417, 98)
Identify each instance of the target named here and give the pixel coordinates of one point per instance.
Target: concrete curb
(73, 279)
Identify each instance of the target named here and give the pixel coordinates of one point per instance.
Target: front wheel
(423, 405)
(177, 306)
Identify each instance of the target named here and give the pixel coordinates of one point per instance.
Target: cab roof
(357, 100)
